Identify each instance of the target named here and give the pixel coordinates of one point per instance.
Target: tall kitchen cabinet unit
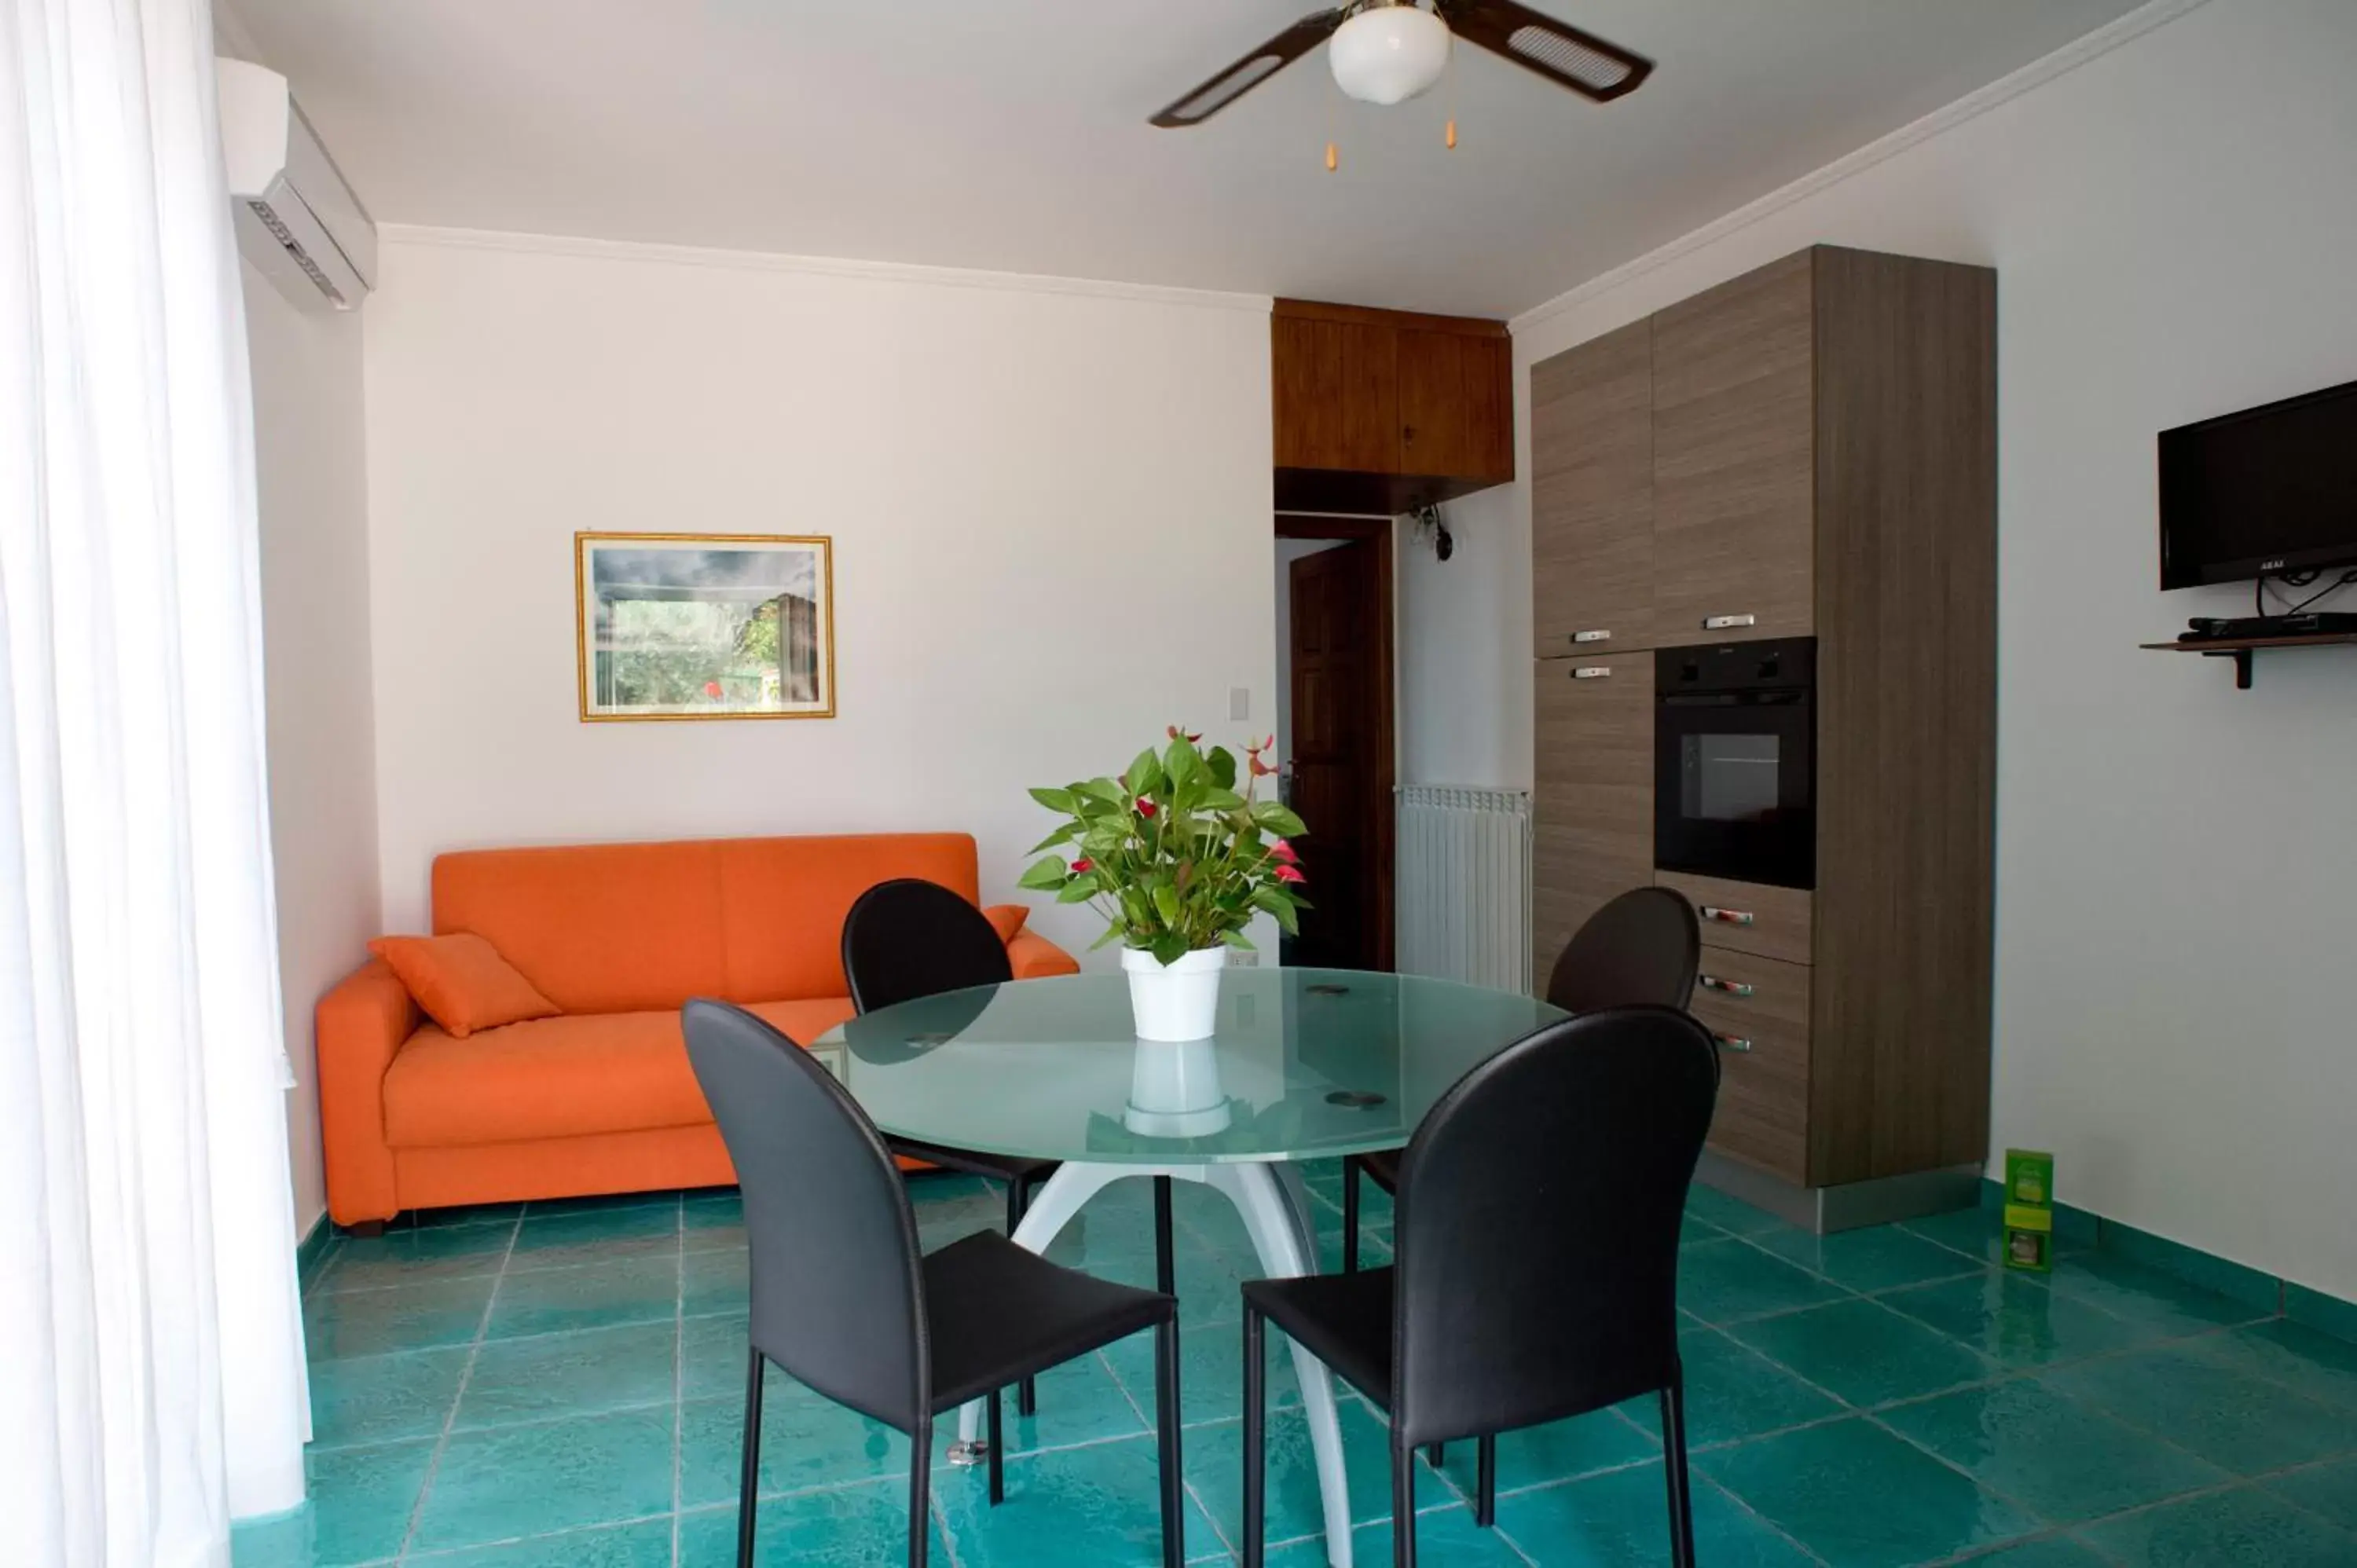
(1807, 451)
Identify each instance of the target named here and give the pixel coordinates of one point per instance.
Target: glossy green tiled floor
(560, 1386)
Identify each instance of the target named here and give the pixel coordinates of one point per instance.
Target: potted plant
(1177, 861)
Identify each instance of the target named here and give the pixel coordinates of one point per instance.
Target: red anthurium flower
(1084, 863)
(711, 688)
(1146, 808)
(1259, 770)
(1192, 736)
(1290, 873)
(1282, 851)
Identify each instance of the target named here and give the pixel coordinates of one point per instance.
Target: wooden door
(1342, 762)
(1592, 496)
(1456, 405)
(1336, 392)
(1593, 808)
(1734, 459)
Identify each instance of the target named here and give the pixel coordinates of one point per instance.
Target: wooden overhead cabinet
(1380, 412)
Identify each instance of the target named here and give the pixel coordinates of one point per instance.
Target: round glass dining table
(1305, 1064)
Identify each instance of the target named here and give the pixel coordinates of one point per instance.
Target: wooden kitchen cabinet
(1592, 496)
(1337, 394)
(1592, 806)
(1456, 405)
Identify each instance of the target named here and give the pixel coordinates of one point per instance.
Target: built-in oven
(1735, 761)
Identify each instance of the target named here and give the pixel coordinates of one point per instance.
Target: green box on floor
(2030, 1210)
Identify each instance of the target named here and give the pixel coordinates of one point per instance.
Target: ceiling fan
(1387, 52)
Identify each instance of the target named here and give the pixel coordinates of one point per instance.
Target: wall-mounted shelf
(2240, 648)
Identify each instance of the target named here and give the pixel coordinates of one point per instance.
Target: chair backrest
(1642, 948)
(912, 937)
(838, 1284)
(1538, 1225)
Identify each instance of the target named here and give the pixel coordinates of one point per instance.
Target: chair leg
(1673, 1460)
(1166, 1426)
(1255, 1459)
(1350, 1215)
(1402, 1505)
(1165, 1270)
(1435, 1455)
(1485, 1486)
(998, 1455)
(749, 1489)
(921, 1481)
(1018, 1198)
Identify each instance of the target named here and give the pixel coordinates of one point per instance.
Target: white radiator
(1464, 889)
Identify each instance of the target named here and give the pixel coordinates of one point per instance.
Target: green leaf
(1279, 905)
(1236, 939)
(1080, 889)
(1112, 934)
(1045, 874)
(1169, 948)
(1223, 799)
(1105, 790)
(1056, 799)
(1223, 765)
(1136, 907)
(1182, 761)
(1166, 904)
(1145, 776)
(1064, 834)
(1278, 817)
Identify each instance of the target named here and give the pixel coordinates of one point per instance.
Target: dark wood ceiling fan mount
(1596, 68)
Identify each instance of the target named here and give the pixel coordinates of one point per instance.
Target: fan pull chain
(1449, 88)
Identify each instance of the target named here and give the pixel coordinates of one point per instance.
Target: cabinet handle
(1732, 1041)
(1730, 916)
(1723, 987)
(1590, 671)
(1725, 623)
(1600, 636)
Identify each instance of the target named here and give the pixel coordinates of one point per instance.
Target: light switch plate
(1240, 703)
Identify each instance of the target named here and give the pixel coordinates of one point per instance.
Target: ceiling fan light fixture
(1388, 53)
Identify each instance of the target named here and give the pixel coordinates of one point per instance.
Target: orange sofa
(600, 1100)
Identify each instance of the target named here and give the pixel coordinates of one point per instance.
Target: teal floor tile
(2052, 1551)
(414, 1257)
(2147, 1296)
(844, 1527)
(586, 1295)
(383, 1399)
(1732, 1393)
(1445, 1538)
(1732, 1214)
(511, 1481)
(2328, 1490)
(1870, 1259)
(2244, 1283)
(713, 1355)
(2315, 1309)
(359, 1503)
(458, 1214)
(2318, 1365)
(1864, 1353)
(1083, 1401)
(717, 1224)
(545, 1376)
(2016, 1320)
(714, 1281)
(1859, 1498)
(806, 1440)
(1210, 1372)
(2050, 1453)
(397, 1318)
(604, 1203)
(2226, 1415)
(558, 1239)
(1535, 1455)
(1725, 1282)
(2242, 1529)
(1096, 1506)
(1977, 1232)
(1623, 1520)
(646, 1545)
(1215, 1471)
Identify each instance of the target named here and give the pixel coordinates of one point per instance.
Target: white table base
(1274, 1204)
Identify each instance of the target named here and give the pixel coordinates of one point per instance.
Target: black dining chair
(843, 1300)
(1642, 947)
(1536, 1273)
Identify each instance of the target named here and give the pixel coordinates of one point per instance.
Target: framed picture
(720, 626)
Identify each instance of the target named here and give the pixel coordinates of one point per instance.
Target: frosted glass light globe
(1388, 54)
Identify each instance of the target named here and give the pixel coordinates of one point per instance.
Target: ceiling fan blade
(1588, 65)
(1249, 72)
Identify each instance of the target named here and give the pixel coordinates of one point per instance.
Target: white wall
(1460, 668)
(1049, 505)
(310, 450)
(2173, 228)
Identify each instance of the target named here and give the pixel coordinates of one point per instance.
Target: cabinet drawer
(1749, 917)
(1758, 1008)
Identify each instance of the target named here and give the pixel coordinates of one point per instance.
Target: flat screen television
(2266, 490)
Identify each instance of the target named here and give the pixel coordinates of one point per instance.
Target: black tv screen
(2266, 490)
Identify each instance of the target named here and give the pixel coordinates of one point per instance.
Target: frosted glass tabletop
(1307, 1062)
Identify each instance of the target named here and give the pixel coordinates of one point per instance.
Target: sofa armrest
(1036, 958)
(361, 1024)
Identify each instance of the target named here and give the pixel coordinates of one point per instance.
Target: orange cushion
(559, 1078)
(1006, 919)
(462, 981)
(783, 902)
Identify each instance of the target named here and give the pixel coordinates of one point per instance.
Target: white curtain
(153, 1382)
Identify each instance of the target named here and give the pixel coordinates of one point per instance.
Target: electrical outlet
(1241, 958)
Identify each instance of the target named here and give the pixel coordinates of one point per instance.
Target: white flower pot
(1179, 1001)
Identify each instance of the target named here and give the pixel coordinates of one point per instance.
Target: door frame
(1381, 532)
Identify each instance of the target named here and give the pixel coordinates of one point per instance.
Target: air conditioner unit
(297, 219)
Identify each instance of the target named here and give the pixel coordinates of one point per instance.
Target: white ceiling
(1013, 136)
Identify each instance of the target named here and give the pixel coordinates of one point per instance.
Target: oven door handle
(1787, 698)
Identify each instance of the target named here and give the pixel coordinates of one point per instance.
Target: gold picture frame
(669, 626)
